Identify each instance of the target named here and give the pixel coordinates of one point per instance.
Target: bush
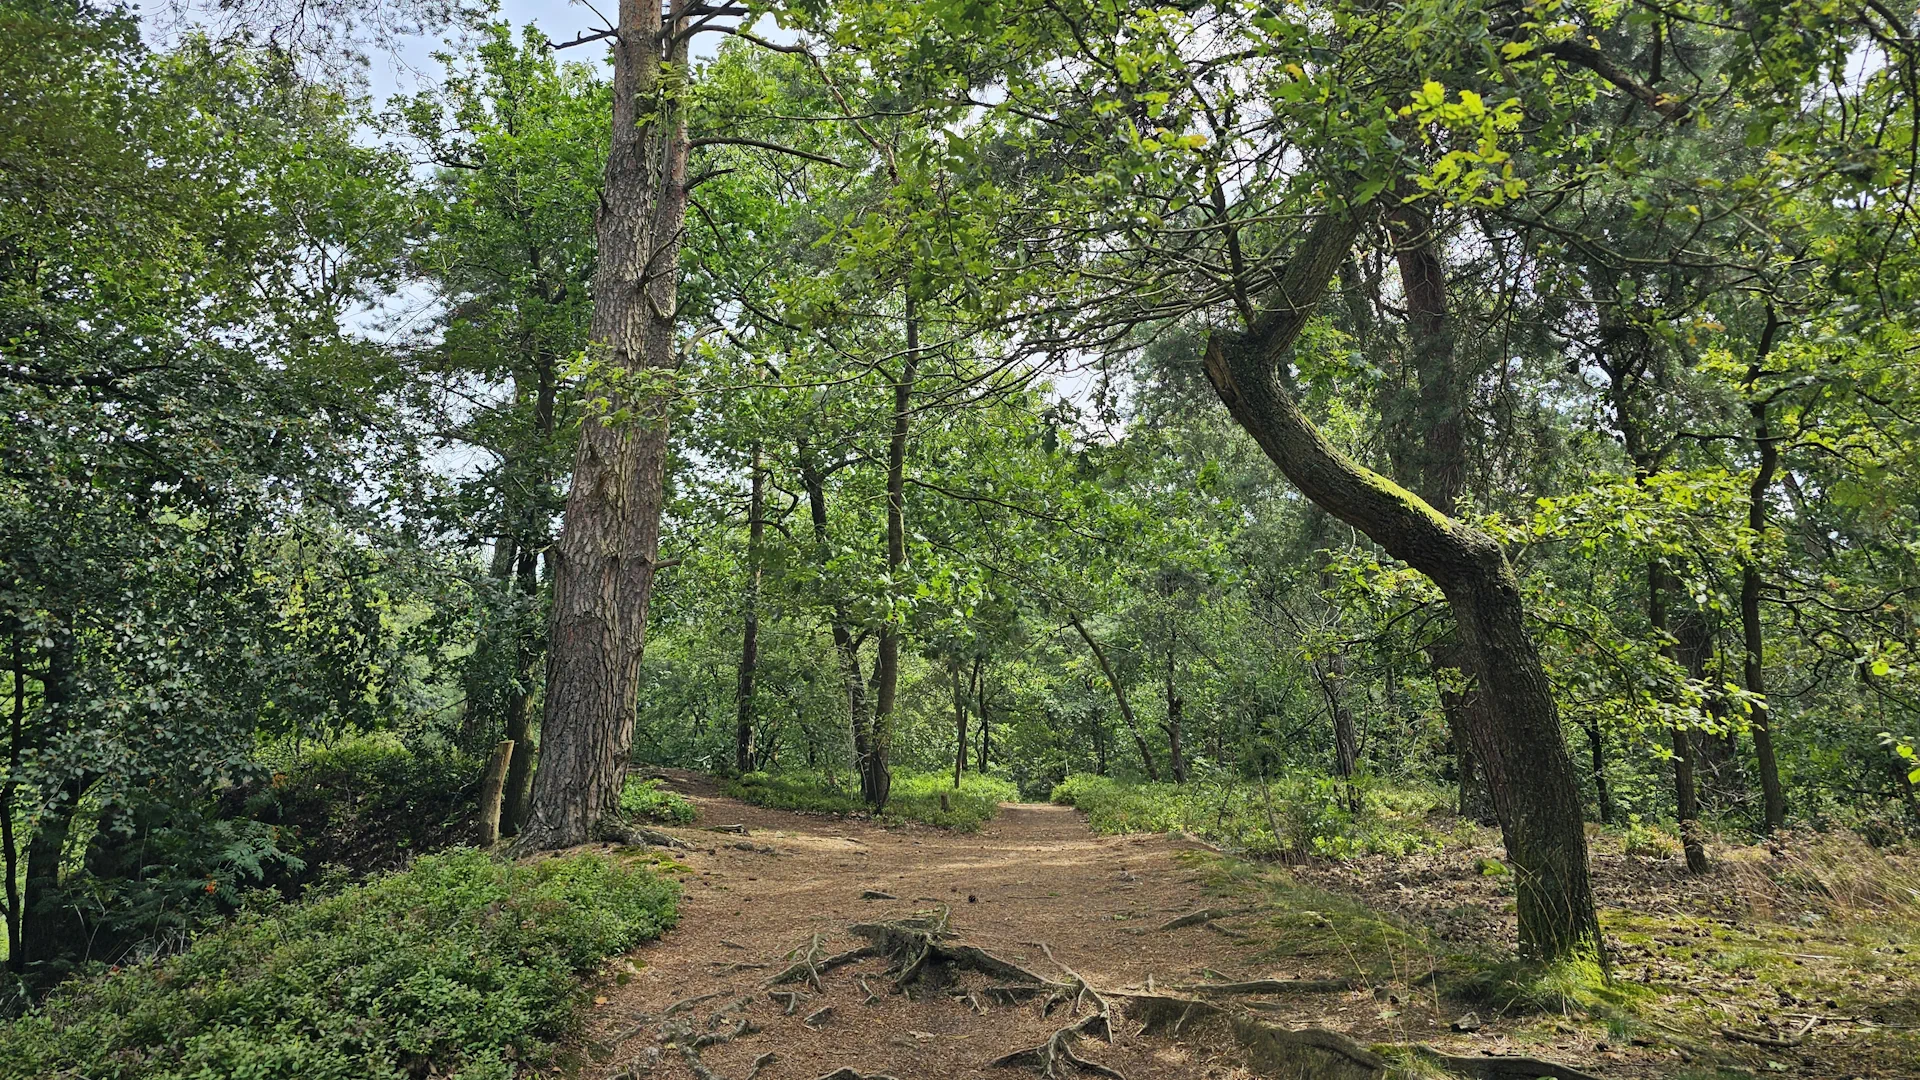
(652, 800)
(370, 803)
(456, 967)
(805, 792)
(915, 796)
(1297, 815)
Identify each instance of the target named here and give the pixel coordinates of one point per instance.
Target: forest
(1419, 502)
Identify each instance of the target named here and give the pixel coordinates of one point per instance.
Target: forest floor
(1037, 888)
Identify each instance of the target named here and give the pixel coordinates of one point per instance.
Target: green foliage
(370, 802)
(807, 793)
(654, 801)
(459, 966)
(916, 796)
(1293, 815)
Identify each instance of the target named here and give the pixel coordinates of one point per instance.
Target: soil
(1034, 876)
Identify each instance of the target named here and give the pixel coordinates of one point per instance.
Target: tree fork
(1518, 737)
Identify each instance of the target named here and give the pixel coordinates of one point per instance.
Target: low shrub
(1295, 815)
(914, 797)
(654, 801)
(370, 803)
(808, 793)
(459, 966)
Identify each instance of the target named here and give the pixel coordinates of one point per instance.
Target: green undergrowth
(652, 800)
(460, 966)
(915, 796)
(370, 803)
(1293, 815)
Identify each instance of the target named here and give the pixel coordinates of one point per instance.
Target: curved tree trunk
(1517, 737)
(604, 560)
(1119, 695)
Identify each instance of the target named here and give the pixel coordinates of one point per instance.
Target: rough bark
(980, 701)
(1597, 748)
(604, 559)
(1517, 738)
(877, 779)
(750, 620)
(1120, 696)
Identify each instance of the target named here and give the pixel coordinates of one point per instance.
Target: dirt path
(1034, 875)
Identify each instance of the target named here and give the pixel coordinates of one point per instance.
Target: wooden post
(492, 788)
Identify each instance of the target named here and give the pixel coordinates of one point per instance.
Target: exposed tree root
(1051, 1056)
(1501, 1068)
(845, 1073)
(1270, 986)
(787, 998)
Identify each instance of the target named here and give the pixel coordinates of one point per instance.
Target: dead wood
(737, 830)
(846, 1073)
(1775, 1042)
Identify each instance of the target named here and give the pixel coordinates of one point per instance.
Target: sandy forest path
(1034, 875)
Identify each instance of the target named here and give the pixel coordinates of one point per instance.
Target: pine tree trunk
(750, 632)
(604, 559)
(1517, 738)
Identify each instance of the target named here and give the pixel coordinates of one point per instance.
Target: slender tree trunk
(750, 633)
(845, 647)
(531, 639)
(1120, 696)
(604, 560)
(1773, 796)
(9, 853)
(1597, 746)
(980, 699)
(959, 723)
(878, 779)
(1685, 797)
(1517, 738)
(1176, 735)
